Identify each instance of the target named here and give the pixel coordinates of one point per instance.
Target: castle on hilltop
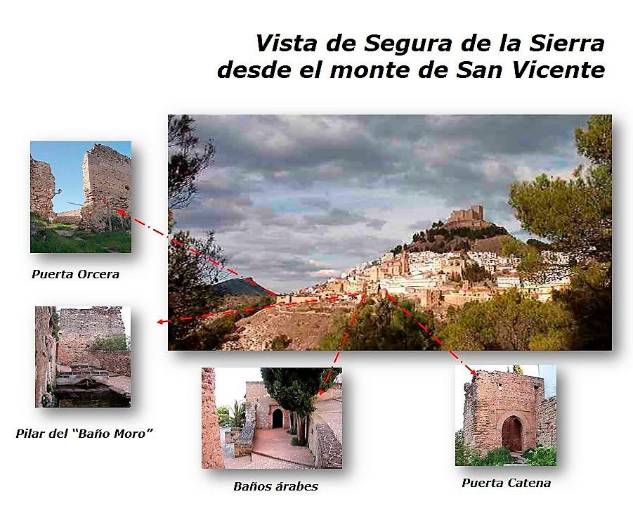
(467, 218)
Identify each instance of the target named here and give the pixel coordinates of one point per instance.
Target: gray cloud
(339, 189)
(336, 216)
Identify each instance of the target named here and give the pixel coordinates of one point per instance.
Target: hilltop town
(436, 280)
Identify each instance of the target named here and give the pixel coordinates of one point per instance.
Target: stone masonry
(211, 446)
(265, 405)
(79, 328)
(42, 190)
(546, 431)
(501, 409)
(45, 355)
(467, 218)
(107, 182)
(244, 443)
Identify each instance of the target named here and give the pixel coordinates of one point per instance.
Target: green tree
(187, 159)
(295, 389)
(382, 325)
(223, 416)
(575, 217)
(509, 321)
(189, 279)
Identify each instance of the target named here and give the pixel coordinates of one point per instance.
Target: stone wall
(79, 328)
(493, 398)
(211, 446)
(244, 444)
(42, 189)
(107, 179)
(327, 450)
(45, 356)
(546, 431)
(265, 405)
(115, 362)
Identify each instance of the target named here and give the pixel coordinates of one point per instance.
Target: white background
(114, 70)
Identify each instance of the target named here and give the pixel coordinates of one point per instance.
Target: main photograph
(488, 232)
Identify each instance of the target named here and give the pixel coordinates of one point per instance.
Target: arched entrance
(278, 419)
(511, 434)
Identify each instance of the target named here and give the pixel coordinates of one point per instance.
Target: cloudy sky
(295, 200)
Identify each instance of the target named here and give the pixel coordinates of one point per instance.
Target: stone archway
(512, 434)
(278, 419)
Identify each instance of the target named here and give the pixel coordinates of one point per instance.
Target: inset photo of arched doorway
(505, 415)
(272, 418)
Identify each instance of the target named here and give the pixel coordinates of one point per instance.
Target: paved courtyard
(271, 450)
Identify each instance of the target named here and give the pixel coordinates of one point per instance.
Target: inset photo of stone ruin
(272, 418)
(82, 357)
(505, 415)
(78, 190)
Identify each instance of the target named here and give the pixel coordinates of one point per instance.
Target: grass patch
(46, 240)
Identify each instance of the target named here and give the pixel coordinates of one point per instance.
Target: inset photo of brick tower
(506, 415)
(77, 188)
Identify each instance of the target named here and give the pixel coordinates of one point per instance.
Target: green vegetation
(465, 456)
(509, 321)
(110, 343)
(295, 441)
(541, 456)
(475, 273)
(280, 342)
(189, 278)
(237, 417)
(294, 389)
(575, 217)
(223, 416)
(46, 239)
(381, 325)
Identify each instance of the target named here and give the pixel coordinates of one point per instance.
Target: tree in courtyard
(509, 321)
(575, 217)
(295, 390)
(187, 159)
(190, 277)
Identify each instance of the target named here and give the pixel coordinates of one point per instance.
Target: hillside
(239, 287)
(441, 240)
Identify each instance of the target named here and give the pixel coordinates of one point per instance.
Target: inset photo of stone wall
(272, 418)
(77, 191)
(505, 415)
(82, 357)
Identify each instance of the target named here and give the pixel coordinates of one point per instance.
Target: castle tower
(478, 211)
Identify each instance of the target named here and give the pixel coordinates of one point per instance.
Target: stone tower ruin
(507, 409)
(42, 189)
(107, 181)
